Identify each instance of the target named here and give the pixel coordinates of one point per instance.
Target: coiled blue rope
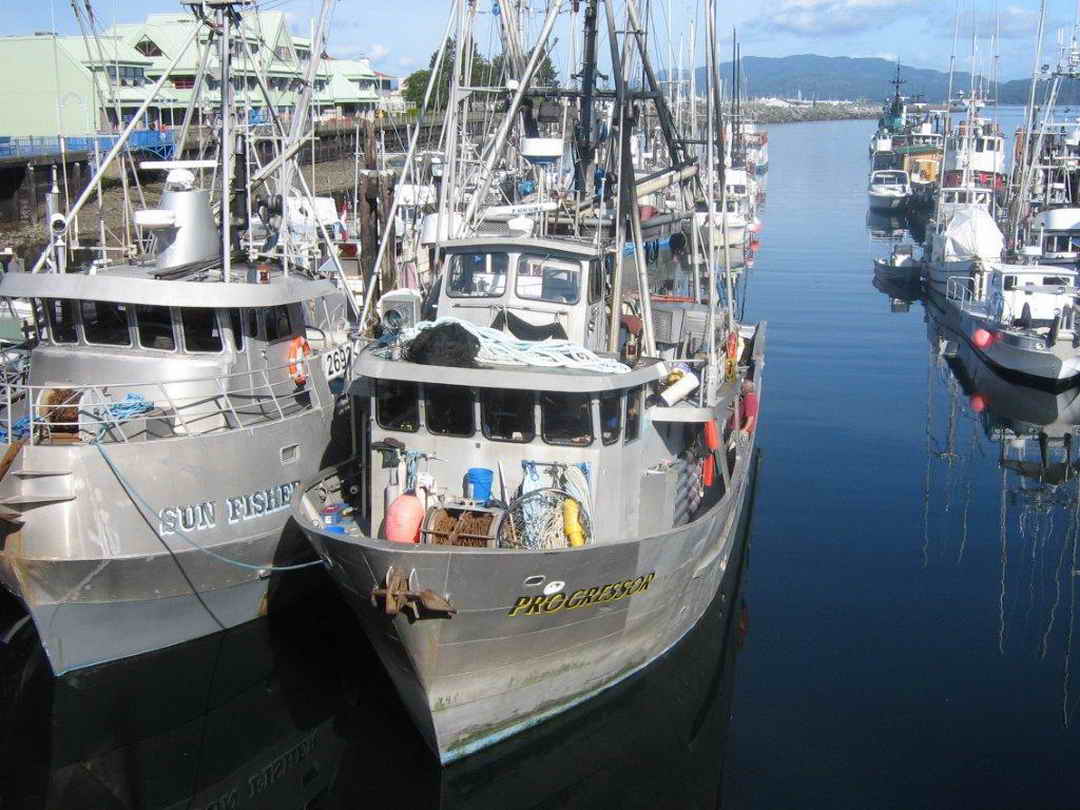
(18, 430)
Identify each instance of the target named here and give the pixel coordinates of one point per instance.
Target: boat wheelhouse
(1058, 234)
(890, 189)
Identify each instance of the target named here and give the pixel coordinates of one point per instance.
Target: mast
(225, 44)
(586, 148)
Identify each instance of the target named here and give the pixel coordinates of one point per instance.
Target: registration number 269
(337, 361)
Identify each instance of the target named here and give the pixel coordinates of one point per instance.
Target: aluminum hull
(102, 583)
(491, 670)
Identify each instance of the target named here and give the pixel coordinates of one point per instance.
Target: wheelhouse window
(566, 418)
(507, 416)
(105, 323)
(633, 413)
(61, 315)
(201, 330)
(1010, 282)
(1055, 281)
(449, 410)
(277, 323)
(236, 324)
(397, 405)
(478, 275)
(542, 278)
(611, 408)
(155, 327)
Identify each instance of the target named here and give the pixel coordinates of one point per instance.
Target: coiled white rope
(498, 348)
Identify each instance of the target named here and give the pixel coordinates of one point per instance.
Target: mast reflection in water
(295, 711)
(975, 418)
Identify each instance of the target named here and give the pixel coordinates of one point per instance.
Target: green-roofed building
(63, 84)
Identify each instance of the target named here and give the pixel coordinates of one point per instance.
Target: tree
(415, 86)
(485, 73)
(546, 75)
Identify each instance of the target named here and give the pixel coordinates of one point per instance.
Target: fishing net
(535, 521)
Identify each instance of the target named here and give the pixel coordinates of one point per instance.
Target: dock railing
(125, 412)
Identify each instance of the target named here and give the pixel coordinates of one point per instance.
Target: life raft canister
(299, 349)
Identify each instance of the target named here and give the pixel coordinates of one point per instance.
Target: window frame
(532, 416)
(236, 327)
(556, 260)
(266, 313)
(636, 391)
(74, 321)
(424, 395)
(220, 329)
(377, 409)
(617, 395)
(455, 260)
(82, 324)
(567, 443)
(172, 321)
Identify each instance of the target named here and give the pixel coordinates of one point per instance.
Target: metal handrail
(959, 289)
(172, 413)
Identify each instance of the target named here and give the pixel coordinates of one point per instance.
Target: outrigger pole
(61, 230)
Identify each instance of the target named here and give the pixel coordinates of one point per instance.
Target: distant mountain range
(841, 77)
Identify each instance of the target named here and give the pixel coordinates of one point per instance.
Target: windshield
(477, 275)
(542, 278)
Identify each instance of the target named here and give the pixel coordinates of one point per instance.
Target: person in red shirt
(748, 407)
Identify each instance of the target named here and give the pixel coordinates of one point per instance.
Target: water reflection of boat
(902, 292)
(884, 225)
(242, 718)
(1032, 435)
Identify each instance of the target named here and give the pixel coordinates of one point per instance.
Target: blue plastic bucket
(479, 479)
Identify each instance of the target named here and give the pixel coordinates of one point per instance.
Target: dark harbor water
(901, 635)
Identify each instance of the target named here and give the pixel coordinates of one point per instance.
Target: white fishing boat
(889, 189)
(1021, 319)
(900, 264)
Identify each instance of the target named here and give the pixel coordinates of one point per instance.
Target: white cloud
(406, 61)
(825, 17)
(377, 52)
(886, 55)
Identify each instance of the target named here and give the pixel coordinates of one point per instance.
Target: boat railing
(126, 412)
(960, 290)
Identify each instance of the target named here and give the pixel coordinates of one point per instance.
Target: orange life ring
(299, 349)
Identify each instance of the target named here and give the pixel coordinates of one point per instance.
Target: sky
(400, 35)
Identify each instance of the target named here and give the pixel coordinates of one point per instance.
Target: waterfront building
(68, 85)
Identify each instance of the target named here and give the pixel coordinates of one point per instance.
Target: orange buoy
(712, 434)
(977, 402)
(299, 349)
(708, 470)
(981, 338)
(403, 519)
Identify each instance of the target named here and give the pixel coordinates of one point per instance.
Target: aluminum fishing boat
(612, 521)
(551, 457)
(164, 412)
